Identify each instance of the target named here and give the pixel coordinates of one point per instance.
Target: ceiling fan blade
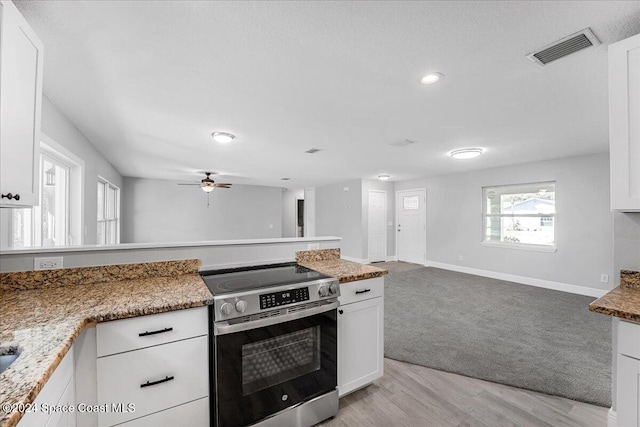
(188, 184)
(222, 185)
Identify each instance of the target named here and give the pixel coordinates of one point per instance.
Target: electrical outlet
(50, 263)
(460, 257)
(313, 246)
(604, 278)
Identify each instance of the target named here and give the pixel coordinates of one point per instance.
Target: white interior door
(411, 231)
(309, 212)
(377, 226)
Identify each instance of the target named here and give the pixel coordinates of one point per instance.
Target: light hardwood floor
(413, 396)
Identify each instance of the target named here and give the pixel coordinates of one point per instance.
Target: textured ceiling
(147, 82)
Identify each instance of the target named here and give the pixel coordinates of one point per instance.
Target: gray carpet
(504, 332)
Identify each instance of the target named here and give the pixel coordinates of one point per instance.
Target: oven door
(263, 370)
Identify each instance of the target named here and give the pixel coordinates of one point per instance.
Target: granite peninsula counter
(328, 261)
(624, 300)
(43, 312)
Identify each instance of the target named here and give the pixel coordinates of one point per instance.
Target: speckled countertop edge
(622, 301)
(43, 322)
(328, 261)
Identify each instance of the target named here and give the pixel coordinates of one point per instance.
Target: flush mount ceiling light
(223, 137)
(383, 177)
(466, 153)
(431, 78)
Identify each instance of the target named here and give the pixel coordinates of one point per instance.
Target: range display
(277, 299)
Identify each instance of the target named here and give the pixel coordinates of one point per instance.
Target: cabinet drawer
(361, 290)
(180, 369)
(193, 414)
(145, 331)
(629, 339)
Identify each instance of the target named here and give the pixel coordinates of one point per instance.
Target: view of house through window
(520, 215)
(48, 223)
(108, 213)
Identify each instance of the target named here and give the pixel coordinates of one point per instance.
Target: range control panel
(277, 299)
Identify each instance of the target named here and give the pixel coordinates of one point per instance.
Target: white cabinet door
(360, 344)
(192, 414)
(627, 391)
(21, 56)
(624, 124)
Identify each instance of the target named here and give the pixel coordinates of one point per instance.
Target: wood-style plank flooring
(411, 395)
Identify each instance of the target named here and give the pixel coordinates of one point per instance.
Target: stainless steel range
(273, 346)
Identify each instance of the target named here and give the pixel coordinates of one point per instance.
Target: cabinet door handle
(159, 331)
(150, 383)
(11, 196)
(341, 311)
(363, 292)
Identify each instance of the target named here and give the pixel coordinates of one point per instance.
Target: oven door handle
(223, 328)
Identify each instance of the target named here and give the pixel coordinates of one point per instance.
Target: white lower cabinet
(153, 385)
(55, 399)
(360, 334)
(628, 375)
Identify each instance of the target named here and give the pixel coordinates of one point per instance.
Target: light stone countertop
(328, 261)
(43, 312)
(624, 300)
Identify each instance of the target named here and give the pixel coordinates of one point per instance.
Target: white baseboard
(359, 260)
(565, 287)
(612, 418)
(392, 258)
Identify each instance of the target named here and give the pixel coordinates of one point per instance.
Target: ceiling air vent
(403, 143)
(564, 47)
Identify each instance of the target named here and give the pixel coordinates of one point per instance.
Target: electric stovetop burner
(248, 278)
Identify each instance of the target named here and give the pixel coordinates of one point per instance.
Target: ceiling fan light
(223, 137)
(466, 153)
(431, 78)
(207, 188)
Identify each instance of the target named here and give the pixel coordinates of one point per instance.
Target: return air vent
(403, 143)
(563, 47)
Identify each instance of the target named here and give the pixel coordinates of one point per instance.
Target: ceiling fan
(207, 185)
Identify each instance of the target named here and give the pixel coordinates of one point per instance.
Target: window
(48, 223)
(108, 213)
(520, 215)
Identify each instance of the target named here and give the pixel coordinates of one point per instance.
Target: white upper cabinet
(21, 57)
(624, 124)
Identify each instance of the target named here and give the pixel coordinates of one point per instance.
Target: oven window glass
(276, 360)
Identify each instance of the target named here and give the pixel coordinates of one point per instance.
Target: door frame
(369, 224)
(424, 240)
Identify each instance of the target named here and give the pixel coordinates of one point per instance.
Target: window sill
(535, 248)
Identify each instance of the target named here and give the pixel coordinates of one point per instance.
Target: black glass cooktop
(258, 277)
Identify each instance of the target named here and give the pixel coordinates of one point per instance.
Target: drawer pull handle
(363, 292)
(11, 196)
(150, 383)
(159, 331)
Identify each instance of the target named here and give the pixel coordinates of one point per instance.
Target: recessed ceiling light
(223, 137)
(466, 153)
(312, 150)
(383, 177)
(285, 179)
(431, 78)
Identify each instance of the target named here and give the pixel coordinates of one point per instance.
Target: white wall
(161, 211)
(584, 230)
(339, 213)
(63, 132)
(213, 254)
(289, 211)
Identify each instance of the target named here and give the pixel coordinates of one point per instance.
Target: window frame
(521, 187)
(108, 184)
